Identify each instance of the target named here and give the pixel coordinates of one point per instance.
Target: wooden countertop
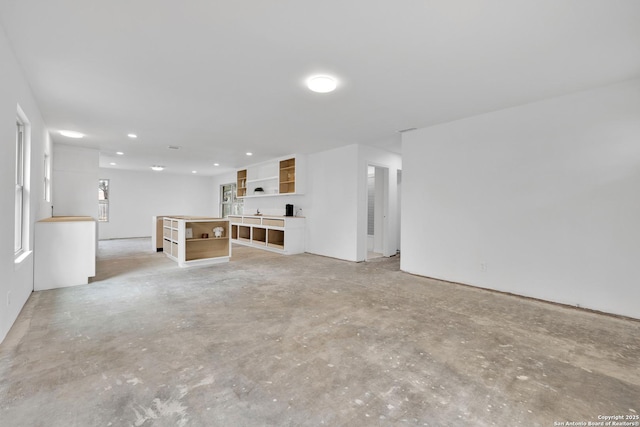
(193, 217)
(264, 216)
(67, 219)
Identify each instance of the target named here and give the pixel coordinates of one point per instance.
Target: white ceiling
(219, 78)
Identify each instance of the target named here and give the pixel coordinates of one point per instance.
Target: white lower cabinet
(281, 234)
(65, 252)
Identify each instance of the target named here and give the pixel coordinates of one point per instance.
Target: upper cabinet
(241, 184)
(277, 177)
(287, 176)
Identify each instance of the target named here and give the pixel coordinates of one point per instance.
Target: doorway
(377, 212)
(398, 209)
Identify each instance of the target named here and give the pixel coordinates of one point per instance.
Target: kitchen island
(191, 240)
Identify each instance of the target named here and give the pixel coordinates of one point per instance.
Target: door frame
(381, 210)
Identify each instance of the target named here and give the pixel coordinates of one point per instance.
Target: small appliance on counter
(288, 210)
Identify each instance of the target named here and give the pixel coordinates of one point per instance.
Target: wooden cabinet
(241, 183)
(283, 235)
(287, 176)
(196, 240)
(274, 178)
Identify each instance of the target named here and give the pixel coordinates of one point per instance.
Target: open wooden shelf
(192, 241)
(244, 233)
(259, 235)
(276, 239)
(206, 248)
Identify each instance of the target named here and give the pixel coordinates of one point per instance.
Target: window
(20, 199)
(22, 181)
(229, 202)
(47, 178)
(103, 200)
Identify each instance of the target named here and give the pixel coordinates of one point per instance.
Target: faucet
(258, 212)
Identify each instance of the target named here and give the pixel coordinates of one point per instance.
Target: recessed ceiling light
(194, 171)
(71, 134)
(216, 164)
(119, 153)
(322, 84)
(112, 164)
(249, 154)
(157, 167)
(132, 135)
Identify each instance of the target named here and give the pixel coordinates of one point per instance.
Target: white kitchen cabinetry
(281, 234)
(283, 176)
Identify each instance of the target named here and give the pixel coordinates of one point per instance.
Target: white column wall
(337, 201)
(75, 181)
(539, 200)
(332, 203)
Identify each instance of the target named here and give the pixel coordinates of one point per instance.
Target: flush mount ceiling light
(157, 167)
(194, 171)
(249, 154)
(132, 135)
(71, 134)
(119, 153)
(113, 164)
(216, 164)
(322, 84)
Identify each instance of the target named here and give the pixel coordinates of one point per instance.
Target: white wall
(336, 201)
(539, 200)
(332, 203)
(136, 196)
(275, 205)
(17, 279)
(75, 181)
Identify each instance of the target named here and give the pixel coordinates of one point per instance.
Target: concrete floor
(269, 340)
